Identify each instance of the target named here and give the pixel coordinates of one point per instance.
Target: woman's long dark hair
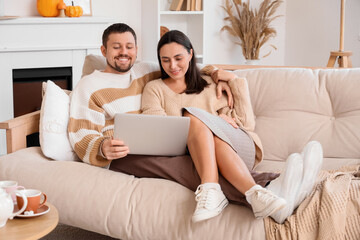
(194, 82)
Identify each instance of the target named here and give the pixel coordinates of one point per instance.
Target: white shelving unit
(155, 13)
(202, 27)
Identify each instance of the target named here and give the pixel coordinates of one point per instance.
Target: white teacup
(10, 187)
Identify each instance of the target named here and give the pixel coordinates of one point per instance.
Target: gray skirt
(237, 138)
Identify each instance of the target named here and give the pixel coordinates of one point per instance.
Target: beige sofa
(292, 106)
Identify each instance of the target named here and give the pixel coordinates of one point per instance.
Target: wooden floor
(64, 232)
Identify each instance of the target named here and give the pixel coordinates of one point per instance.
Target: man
(98, 96)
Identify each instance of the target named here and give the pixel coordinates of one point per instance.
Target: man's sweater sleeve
(87, 128)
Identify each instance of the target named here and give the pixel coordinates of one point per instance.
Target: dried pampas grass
(251, 26)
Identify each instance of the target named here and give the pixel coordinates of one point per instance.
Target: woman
(220, 139)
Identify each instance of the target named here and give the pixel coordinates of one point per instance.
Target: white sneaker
(287, 186)
(263, 202)
(313, 158)
(210, 201)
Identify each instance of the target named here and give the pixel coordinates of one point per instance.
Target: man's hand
(229, 120)
(224, 87)
(222, 75)
(114, 149)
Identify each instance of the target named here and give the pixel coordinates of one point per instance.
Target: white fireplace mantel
(38, 42)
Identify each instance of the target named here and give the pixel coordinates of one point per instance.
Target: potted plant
(251, 27)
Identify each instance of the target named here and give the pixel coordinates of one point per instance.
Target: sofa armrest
(18, 128)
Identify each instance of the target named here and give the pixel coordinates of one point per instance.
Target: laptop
(151, 134)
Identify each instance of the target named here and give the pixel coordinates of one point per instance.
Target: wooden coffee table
(30, 228)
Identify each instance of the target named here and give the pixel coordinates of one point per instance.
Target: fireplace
(27, 86)
(27, 90)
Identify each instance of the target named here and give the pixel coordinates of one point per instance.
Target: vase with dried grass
(251, 27)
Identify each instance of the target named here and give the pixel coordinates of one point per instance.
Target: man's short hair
(117, 28)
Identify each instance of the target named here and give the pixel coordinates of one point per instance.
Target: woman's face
(175, 60)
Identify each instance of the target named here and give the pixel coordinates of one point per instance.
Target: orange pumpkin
(61, 5)
(73, 11)
(48, 8)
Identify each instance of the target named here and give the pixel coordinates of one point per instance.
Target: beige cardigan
(159, 99)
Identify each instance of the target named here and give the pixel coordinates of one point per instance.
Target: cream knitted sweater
(94, 102)
(159, 99)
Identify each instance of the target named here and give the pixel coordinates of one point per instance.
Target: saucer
(41, 211)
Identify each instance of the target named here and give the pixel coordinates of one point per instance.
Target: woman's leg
(202, 150)
(209, 197)
(208, 152)
(263, 202)
(232, 167)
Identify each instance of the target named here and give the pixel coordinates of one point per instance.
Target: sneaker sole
(212, 214)
(270, 209)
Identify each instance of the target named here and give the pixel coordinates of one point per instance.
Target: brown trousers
(181, 169)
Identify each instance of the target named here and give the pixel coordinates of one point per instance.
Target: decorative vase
(252, 62)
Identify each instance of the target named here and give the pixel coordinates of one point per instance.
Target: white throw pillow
(54, 118)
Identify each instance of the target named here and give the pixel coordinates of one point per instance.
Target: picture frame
(84, 4)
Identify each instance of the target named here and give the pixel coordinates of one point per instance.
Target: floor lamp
(342, 56)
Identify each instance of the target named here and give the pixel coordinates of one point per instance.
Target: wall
(313, 30)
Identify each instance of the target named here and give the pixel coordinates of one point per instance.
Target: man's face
(120, 52)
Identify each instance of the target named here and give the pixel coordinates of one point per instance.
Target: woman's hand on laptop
(114, 149)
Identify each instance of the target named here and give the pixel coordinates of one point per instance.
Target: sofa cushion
(54, 118)
(121, 205)
(295, 105)
(93, 62)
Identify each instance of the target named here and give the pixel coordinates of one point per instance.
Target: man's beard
(120, 69)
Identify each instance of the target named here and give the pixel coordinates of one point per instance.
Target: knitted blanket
(331, 211)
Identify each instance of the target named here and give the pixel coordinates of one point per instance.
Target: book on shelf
(193, 5)
(198, 4)
(176, 5)
(188, 5)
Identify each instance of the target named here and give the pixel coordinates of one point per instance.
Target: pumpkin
(48, 8)
(73, 11)
(61, 5)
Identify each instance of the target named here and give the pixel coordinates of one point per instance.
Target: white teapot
(7, 206)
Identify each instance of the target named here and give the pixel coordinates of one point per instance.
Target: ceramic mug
(10, 187)
(33, 198)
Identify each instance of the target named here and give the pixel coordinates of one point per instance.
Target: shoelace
(264, 195)
(202, 197)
